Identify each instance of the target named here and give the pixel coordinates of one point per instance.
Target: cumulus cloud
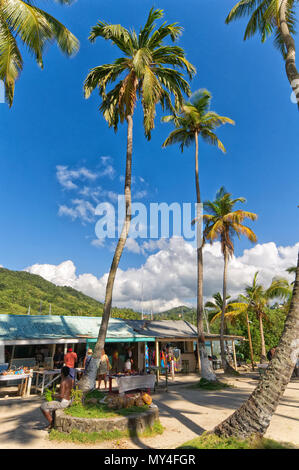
(65, 176)
(168, 277)
(81, 209)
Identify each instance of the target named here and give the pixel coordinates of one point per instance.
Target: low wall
(136, 422)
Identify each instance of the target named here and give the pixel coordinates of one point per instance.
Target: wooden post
(52, 357)
(12, 356)
(157, 358)
(234, 354)
(212, 352)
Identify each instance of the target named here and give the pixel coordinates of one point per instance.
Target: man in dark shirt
(58, 359)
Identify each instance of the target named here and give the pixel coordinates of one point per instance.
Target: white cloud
(65, 176)
(132, 246)
(81, 209)
(168, 277)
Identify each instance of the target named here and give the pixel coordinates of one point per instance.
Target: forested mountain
(19, 289)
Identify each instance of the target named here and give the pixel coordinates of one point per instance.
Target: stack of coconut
(116, 402)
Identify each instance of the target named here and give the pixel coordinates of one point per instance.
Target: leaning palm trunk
(88, 380)
(205, 364)
(290, 64)
(263, 347)
(254, 416)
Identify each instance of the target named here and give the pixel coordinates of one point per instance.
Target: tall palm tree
(23, 22)
(254, 416)
(223, 223)
(268, 17)
(194, 120)
(143, 73)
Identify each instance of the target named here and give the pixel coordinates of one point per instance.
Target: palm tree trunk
(88, 380)
(263, 347)
(222, 323)
(205, 364)
(290, 64)
(250, 341)
(254, 416)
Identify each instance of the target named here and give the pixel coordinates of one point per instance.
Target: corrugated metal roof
(15, 327)
(164, 328)
(39, 327)
(171, 329)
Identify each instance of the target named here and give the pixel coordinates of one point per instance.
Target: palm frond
(11, 63)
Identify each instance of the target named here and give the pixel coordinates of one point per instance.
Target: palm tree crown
(195, 119)
(22, 21)
(223, 223)
(264, 19)
(268, 17)
(149, 69)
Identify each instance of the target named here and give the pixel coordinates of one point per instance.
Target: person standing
(70, 360)
(58, 358)
(103, 370)
(87, 359)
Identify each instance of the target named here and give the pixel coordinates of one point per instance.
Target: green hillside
(178, 313)
(19, 289)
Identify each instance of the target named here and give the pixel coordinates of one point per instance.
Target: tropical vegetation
(23, 23)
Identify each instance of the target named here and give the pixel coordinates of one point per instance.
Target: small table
(26, 377)
(52, 375)
(132, 382)
(159, 369)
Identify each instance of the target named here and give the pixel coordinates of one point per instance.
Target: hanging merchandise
(177, 358)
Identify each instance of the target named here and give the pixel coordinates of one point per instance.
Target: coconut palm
(234, 308)
(256, 301)
(272, 17)
(254, 416)
(21, 22)
(223, 223)
(196, 120)
(149, 71)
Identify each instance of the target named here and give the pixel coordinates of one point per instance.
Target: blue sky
(51, 124)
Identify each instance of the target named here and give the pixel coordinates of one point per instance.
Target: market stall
(23, 375)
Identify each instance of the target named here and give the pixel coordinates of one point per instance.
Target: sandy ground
(185, 414)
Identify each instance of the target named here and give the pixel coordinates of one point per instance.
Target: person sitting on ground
(64, 397)
(104, 368)
(70, 360)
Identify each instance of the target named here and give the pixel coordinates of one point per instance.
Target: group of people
(67, 363)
